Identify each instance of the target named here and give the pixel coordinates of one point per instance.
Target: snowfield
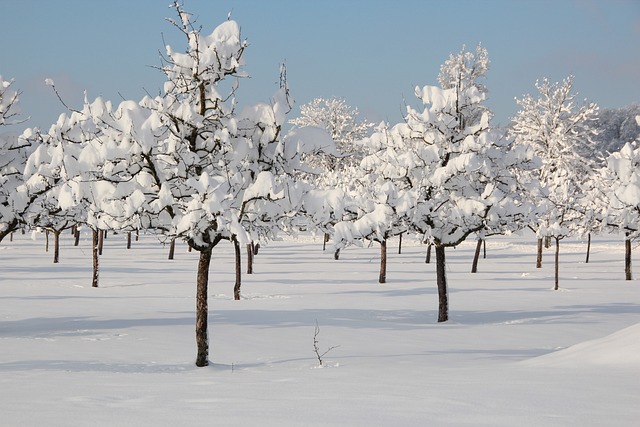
(515, 353)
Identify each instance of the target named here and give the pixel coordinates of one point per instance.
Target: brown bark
(129, 240)
(336, 254)
(427, 260)
(539, 258)
(94, 251)
(324, 241)
(588, 248)
(56, 246)
(202, 308)
(400, 244)
(249, 259)
(476, 256)
(382, 278)
(100, 241)
(238, 284)
(46, 241)
(627, 258)
(441, 280)
(172, 248)
(557, 263)
(76, 235)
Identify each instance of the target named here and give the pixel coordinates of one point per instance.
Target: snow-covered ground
(515, 353)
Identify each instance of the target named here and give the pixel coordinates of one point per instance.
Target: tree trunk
(56, 246)
(539, 259)
(94, 251)
(129, 240)
(588, 248)
(238, 284)
(484, 248)
(441, 280)
(172, 248)
(427, 260)
(76, 236)
(476, 256)
(202, 308)
(382, 278)
(46, 241)
(100, 241)
(137, 235)
(547, 242)
(256, 248)
(249, 259)
(627, 257)
(555, 288)
(400, 244)
(336, 254)
(325, 239)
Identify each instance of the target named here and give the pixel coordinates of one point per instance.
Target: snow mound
(621, 348)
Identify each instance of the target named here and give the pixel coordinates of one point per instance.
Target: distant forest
(617, 127)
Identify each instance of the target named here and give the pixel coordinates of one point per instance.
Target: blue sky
(372, 53)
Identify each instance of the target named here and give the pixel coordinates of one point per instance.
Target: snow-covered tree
(343, 124)
(61, 176)
(562, 135)
(454, 174)
(14, 151)
(375, 198)
(621, 183)
(188, 164)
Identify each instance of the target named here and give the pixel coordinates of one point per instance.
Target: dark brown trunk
(256, 248)
(56, 246)
(336, 254)
(137, 235)
(46, 241)
(382, 278)
(76, 236)
(539, 258)
(238, 284)
(172, 248)
(547, 242)
(202, 308)
(557, 263)
(100, 241)
(627, 257)
(94, 251)
(441, 280)
(484, 248)
(249, 259)
(129, 240)
(588, 248)
(324, 241)
(400, 244)
(476, 256)
(427, 260)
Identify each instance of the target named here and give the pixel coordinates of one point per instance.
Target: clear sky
(370, 52)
